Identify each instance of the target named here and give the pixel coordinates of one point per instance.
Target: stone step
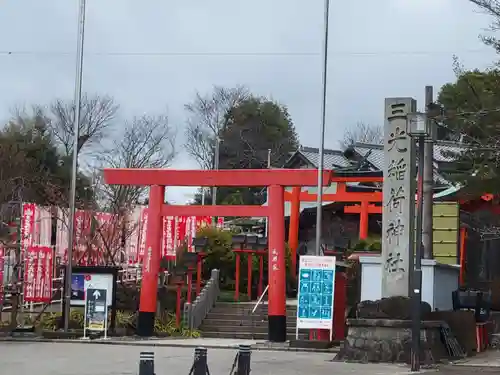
(288, 309)
(240, 307)
(238, 329)
(243, 308)
(248, 335)
(236, 320)
(245, 323)
(249, 317)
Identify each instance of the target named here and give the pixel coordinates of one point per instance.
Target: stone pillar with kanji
(399, 199)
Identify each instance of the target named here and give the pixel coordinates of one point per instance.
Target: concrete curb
(474, 365)
(174, 344)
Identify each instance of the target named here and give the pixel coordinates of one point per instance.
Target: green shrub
(362, 245)
(219, 253)
(375, 246)
(370, 244)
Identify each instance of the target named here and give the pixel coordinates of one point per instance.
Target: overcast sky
(153, 55)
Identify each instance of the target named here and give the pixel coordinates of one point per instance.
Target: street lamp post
(319, 208)
(419, 128)
(216, 167)
(74, 171)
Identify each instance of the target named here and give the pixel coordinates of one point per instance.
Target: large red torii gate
(275, 179)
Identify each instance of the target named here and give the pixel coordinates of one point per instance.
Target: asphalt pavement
(28, 358)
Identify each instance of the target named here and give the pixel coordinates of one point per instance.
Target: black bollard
(244, 355)
(200, 365)
(147, 363)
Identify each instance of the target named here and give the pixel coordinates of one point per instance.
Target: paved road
(25, 358)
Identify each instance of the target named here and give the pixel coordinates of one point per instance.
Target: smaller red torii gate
(341, 195)
(275, 179)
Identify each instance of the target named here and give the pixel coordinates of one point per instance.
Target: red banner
(220, 222)
(168, 248)
(38, 272)
(203, 221)
(143, 234)
(107, 236)
(133, 238)
(190, 232)
(180, 230)
(45, 275)
(195, 223)
(27, 227)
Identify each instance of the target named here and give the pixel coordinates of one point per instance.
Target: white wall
(438, 281)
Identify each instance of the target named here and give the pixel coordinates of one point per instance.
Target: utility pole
(216, 167)
(324, 84)
(267, 194)
(74, 171)
(427, 230)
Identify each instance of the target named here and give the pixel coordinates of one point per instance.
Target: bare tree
(96, 115)
(147, 142)
(206, 118)
(492, 8)
(363, 133)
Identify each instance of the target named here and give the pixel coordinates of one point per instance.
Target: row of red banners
(38, 274)
(176, 230)
(36, 229)
(39, 257)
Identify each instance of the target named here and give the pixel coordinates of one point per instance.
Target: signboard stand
(94, 277)
(96, 312)
(316, 293)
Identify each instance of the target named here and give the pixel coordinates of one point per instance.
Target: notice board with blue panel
(316, 292)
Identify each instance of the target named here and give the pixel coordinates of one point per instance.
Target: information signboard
(96, 311)
(82, 282)
(316, 293)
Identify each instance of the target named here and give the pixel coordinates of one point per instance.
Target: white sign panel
(81, 282)
(399, 199)
(96, 311)
(316, 292)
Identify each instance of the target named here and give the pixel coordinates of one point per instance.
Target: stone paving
(93, 359)
(490, 358)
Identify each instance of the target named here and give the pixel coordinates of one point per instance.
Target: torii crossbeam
(275, 179)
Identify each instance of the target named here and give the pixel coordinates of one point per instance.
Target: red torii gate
(274, 179)
(341, 195)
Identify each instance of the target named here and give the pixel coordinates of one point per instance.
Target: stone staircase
(235, 321)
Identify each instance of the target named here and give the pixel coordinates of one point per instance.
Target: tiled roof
(443, 149)
(332, 158)
(375, 156)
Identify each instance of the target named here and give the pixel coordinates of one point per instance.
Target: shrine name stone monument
(381, 329)
(398, 213)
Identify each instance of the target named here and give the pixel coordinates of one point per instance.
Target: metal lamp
(200, 244)
(417, 125)
(239, 241)
(252, 242)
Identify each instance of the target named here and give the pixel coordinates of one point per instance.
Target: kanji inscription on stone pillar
(399, 199)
